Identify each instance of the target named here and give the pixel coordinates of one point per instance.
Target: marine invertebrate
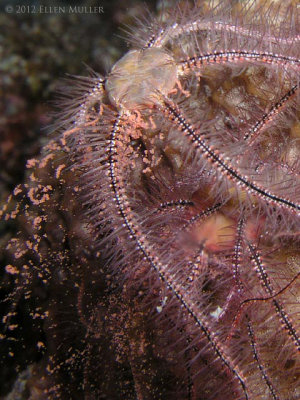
(186, 158)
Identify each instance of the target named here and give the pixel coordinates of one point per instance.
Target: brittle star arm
(236, 274)
(268, 117)
(236, 57)
(266, 284)
(87, 91)
(145, 249)
(174, 113)
(264, 280)
(175, 30)
(258, 361)
(247, 302)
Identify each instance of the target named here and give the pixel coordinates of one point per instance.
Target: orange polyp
(215, 233)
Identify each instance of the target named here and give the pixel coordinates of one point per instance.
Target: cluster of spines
(146, 250)
(176, 117)
(215, 158)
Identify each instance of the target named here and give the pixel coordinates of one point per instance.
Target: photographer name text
(43, 9)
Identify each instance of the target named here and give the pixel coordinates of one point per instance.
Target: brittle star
(144, 84)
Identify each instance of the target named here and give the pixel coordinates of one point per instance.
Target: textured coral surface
(156, 245)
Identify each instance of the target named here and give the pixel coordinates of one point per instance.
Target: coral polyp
(182, 166)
